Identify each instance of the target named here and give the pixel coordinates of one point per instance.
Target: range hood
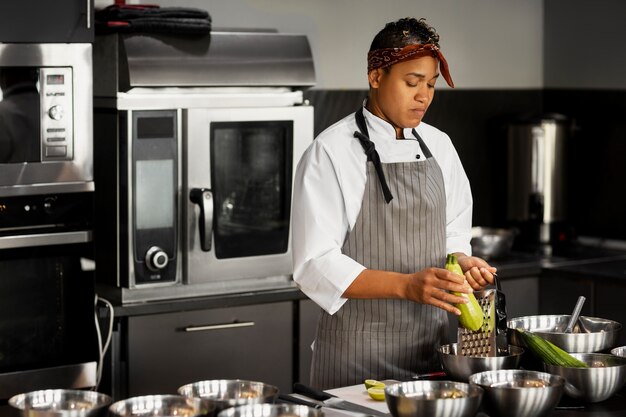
(222, 59)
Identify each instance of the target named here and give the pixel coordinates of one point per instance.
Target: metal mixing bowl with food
(271, 410)
(460, 367)
(491, 243)
(519, 393)
(590, 334)
(160, 405)
(433, 399)
(605, 376)
(226, 393)
(61, 403)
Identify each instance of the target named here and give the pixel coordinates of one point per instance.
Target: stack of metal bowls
(460, 367)
(433, 399)
(590, 334)
(605, 376)
(271, 410)
(61, 403)
(160, 405)
(226, 393)
(519, 393)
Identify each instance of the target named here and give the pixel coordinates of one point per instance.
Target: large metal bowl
(605, 376)
(619, 351)
(271, 410)
(460, 367)
(519, 393)
(590, 334)
(226, 393)
(61, 403)
(160, 405)
(491, 243)
(432, 398)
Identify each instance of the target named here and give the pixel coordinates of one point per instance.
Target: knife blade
(332, 401)
(292, 399)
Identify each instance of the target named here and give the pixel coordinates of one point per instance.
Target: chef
(380, 198)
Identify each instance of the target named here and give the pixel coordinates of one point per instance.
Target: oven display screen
(155, 127)
(154, 205)
(55, 79)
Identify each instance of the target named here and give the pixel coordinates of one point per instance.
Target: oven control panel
(57, 113)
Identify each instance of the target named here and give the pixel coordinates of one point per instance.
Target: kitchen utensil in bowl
(519, 393)
(160, 405)
(61, 403)
(271, 410)
(491, 243)
(460, 367)
(590, 334)
(575, 314)
(619, 351)
(433, 399)
(605, 376)
(226, 393)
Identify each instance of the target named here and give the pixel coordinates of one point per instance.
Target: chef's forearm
(373, 283)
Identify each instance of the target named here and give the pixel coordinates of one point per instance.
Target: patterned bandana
(386, 57)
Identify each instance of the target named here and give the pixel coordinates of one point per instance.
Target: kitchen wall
(507, 58)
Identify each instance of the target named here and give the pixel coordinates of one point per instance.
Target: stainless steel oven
(195, 169)
(46, 118)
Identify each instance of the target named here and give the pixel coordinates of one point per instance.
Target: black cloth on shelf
(152, 19)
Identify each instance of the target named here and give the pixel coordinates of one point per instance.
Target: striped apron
(388, 338)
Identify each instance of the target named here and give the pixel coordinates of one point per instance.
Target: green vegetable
(471, 313)
(548, 352)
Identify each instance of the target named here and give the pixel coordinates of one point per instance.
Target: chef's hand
(477, 271)
(433, 286)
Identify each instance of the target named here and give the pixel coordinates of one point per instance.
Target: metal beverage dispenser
(536, 180)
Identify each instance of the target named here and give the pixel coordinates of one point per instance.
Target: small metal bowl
(590, 334)
(433, 399)
(61, 403)
(519, 393)
(605, 376)
(226, 393)
(491, 243)
(619, 351)
(460, 367)
(159, 405)
(271, 410)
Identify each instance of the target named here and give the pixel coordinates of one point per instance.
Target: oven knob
(56, 112)
(156, 258)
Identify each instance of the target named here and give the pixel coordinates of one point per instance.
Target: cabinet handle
(88, 14)
(218, 326)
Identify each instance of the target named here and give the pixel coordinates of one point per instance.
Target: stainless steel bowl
(619, 351)
(271, 410)
(591, 334)
(519, 393)
(433, 399)
(226, 393)
(460, 367)
(61, 403)
(605, 376)
(159, 405)
(491, 243)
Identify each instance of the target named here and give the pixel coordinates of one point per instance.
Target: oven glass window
(20, 117)
(251, 170)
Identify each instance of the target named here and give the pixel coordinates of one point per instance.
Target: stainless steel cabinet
(165, 351)
(307, 320)
(40, 21)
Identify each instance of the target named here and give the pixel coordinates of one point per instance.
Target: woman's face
(402, 94)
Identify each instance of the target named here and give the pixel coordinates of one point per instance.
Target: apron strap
(425, 149)
(370, 151)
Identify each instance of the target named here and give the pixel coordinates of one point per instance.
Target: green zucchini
(548, 352)
(471, 313)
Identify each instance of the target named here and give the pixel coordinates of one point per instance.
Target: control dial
(156, 258)
(56, 112)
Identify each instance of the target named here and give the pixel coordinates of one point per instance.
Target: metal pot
(491, 243)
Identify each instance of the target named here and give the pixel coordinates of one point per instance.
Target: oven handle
(204, 198)
(45, 239)
(219, 326)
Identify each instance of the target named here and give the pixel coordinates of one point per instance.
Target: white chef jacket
(328, 192)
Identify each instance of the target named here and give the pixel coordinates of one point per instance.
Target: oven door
(47, 329)
(240, 170)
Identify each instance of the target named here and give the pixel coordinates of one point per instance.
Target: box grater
(490, 339)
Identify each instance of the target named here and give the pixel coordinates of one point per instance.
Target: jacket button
(417, 156)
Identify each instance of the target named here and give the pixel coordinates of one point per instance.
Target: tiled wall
(476, 121)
